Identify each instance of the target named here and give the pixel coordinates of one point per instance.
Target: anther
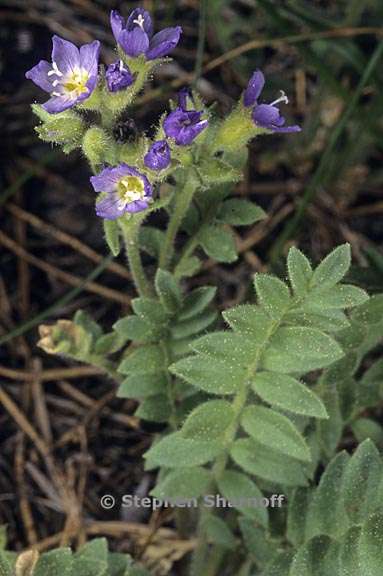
(282, 98)
(140, 21)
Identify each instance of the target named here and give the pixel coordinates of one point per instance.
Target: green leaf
(193, 326)
(364, 428)
(188, 267)
(267, 463)
(344, 296)
(112, 236)
(300, 271)
(273, 295)
(330, 320)
(240, 212)
(298, 349)
(168, 290)
(244, 495)
(143, 360)
(208, 421)
(250, 321)
(214, 377)
(279, 565)
(155, 409)
(197, 301)
(361, 480)
(289, 394)
(5, 565)
(109, 343)
(92, 559)
(330, 431)
(150, 311)
(151, 239)
(218, 532)
(333, 268)
(226, 346)
(297, 514)
(142, 385)
(55, 562)
(216, 171)
(349, 553)
(183, 484)
(174, 451)
(255, 540)
(318, 557)
(218, 243)
(275, 431)
(326, 514)
(136, 329)
(371, 312)
(371, 545)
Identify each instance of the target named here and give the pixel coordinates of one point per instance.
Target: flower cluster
(73, 77)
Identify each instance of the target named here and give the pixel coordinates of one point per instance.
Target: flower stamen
(140, 20)
(283, 98)
(55, 70)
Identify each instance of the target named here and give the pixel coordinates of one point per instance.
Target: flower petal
(107, 179)
(89, 55)
(266, 115)
(65, 54)
(135, 42)
(163, 42)
(58, 104)
(39, 75)
(158, 156)
(287, 129)
(108, 207)
(117, 23)
(254, 88)
(147, 21)
(137, 206)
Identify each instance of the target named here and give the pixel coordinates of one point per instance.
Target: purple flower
(265, 115)
(72, 76)
(158, 156)
(118, 76)
(127, 191)
(135, 35)
(184, 125)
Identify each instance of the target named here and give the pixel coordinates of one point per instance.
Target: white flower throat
(73, 82)
(129, 189)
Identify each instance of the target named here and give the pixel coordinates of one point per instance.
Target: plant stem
(182, 203)
(130, 230)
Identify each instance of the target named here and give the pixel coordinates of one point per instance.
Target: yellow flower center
(130, 189)
(76, 81)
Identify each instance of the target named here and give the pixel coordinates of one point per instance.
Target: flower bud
(65, 128)
(64, 337)
(236, 130)
(118, 76)
(97, 146)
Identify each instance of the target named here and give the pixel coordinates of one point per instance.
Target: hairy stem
(130, 230)
(182, 203)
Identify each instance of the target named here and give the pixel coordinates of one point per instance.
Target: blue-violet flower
(158, 156)
(135, 36)
(184, 125)
(118, 76)
(127, 191)
(72, 76)
(265, 115)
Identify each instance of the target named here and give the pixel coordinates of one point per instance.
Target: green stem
(130, 230)
(206, 567)
(182, 203)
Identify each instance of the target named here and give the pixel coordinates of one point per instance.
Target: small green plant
(255, 403)
(93, 559)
